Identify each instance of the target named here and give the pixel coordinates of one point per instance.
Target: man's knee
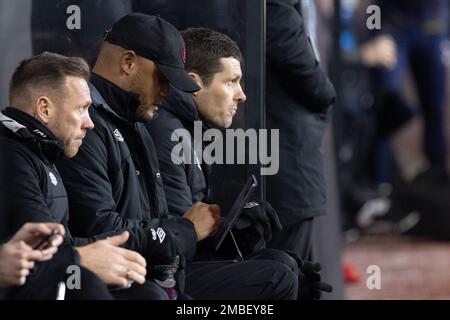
(277, 256)
(286, 282)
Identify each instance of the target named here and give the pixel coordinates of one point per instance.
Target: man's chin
(225, 124)
(71, 149)
(70, 153)
(145, 115)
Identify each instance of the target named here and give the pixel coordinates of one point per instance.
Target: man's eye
(233, 82)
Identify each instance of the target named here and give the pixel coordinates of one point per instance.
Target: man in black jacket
(115, 182)
(298, 95)
(214, 61)
(50, 118)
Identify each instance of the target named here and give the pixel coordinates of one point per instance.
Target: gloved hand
(310, 285)
(255, 226)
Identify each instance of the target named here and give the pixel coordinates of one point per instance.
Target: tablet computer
(236, 210)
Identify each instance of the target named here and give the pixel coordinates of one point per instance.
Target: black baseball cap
(153, 38)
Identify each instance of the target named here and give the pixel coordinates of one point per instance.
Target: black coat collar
(183, 106)
(36, 134)
(121, 102)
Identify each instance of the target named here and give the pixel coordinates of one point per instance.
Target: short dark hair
(45, 70)
(204, 48)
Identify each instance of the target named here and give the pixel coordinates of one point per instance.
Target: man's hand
(33, 233)
(205, 217)
(255, 226)
(380, 51)
(17, 256)
(16, 261)
(310, 286)
(114, 265)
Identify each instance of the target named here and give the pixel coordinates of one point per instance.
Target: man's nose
(87, 123)
(240, 96)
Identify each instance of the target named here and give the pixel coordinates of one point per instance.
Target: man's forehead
(78, 88)
(78, 84)
(232, 64)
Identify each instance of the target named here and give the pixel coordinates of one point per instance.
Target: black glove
(161, 252)
(255, 226)
(310, 285)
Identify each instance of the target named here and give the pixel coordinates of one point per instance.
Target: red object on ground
(350, 274)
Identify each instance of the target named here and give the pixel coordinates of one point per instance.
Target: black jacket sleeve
(290, 54)
(176, 185)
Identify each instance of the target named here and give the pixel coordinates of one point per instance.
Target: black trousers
(268, 275)
(45, 287)
(296, 237)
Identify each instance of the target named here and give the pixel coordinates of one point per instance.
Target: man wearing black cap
(114, 181)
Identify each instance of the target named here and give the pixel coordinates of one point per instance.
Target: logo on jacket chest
(53, 179)
(118, 135)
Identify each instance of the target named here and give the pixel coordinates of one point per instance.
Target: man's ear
(128, 62)
(43, 111)
(196, 79)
